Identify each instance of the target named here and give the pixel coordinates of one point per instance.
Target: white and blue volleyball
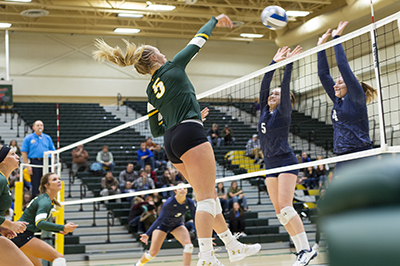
(274, 17)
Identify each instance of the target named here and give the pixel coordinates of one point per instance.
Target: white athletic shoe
(208, 260)
(304, 257)
(242, 250)
(316, 247)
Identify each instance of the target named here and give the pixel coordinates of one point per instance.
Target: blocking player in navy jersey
(171, 220)
(38, 216)
(350, 98)
(273, 128)
(10, 255)
(175, 113)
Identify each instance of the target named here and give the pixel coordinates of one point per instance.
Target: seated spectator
(164, 181)
(150, 144)
(14, 177)
(177, 176)
(159, 157)
(236, 219)
(322, 172)
(80, 159)
(235, 194)
(253, 149)
(106, 158)
(310, 179)
(137, 208)
(126, 177)
(150, 173)
(14, 146)
(26, 200)
(223, 197)
(143, 182)
(213, 135)
(227, 135)
(109, 185)
(145, 156)
(148, 217)
(305, 158)
(158, 202)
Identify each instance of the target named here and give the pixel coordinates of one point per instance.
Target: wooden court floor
(276, 257)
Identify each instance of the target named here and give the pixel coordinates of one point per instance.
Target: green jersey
(170, 93)
(5, 197)
(38, 215)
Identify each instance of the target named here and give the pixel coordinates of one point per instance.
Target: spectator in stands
(106, 158)
(159, 157)
(110, 185)
(223, 197)
(33, 147)
(127, 177)
(145, 156)
(255, 107)
(164, 181)
(350, 98)
(143, 182)
(26, 200)
(148, 217)
(235, 194)
(310, 179)
(150, 173)
(14, 146)
(253, 149)
(150, 144)
(213, 135)
(236, 219)
(273, 127)
(322, 172)
(138, 206)
(227, 135)
(177, 176)
(305, 158)
(80, 159)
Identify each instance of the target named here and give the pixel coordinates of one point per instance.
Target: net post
(19, 196)
(45, 162)
(59, 215)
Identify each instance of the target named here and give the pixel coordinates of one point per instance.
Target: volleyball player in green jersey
(175, 113)
(38, 215)
(9, 254)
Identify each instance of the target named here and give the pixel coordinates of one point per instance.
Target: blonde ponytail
(140, 56)
(370, 92)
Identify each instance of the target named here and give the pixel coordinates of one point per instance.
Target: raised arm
(354, 88)
(323, 68)
(184, 56)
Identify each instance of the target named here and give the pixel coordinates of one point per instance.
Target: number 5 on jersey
(158, 88)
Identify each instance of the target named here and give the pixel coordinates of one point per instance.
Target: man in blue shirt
(33, 147)
(145, 156)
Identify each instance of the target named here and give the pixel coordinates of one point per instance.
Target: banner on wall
(6, 95)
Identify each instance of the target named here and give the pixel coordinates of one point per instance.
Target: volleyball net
(234, 105)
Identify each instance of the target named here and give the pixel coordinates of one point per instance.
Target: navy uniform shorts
(281, 161)
(182, 137)
(168, 228)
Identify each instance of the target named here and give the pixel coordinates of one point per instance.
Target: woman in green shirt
(9, 253)
(38, 215)
(174, 113)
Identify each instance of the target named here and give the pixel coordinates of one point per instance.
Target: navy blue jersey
(172, 214)
(273, 127)
(349, 114)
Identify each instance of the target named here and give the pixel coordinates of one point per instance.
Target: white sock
(228, 239)
(296, 243)
(59, 262)
(303, 241)
(205, 244)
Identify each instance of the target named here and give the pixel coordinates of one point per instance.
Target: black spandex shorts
(182, 137)
(281, 161)
(22, 238)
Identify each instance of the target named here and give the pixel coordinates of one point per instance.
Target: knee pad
(59, 262)
(188, 248)
(281, 219)
(218, 208)
(287, 214)
(207, 205)
(148, 256)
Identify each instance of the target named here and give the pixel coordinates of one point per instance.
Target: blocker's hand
(224, 21)
(340, 28)
(324, 37)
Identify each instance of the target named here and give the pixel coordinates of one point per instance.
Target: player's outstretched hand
(69, 228)
(18, 227)
(324, 37)
(144, 238)
(204, 114)
(7, 232)
(296, 51)
(224, 21)
(281, 54)
(340, 28)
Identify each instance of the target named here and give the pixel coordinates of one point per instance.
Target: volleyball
(274, 17)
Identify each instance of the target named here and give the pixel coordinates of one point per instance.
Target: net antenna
(378, 76)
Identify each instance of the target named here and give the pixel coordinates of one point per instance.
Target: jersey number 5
(158, 88)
